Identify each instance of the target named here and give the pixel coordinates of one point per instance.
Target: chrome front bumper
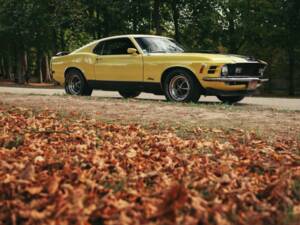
(236, 79)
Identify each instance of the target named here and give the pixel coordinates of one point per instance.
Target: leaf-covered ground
(66, 169)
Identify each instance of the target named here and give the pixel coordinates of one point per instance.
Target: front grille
(246, 69)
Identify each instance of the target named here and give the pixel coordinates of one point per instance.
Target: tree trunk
(3, 70)
(8, 68)
(2, 67)
(293, 25)
(45, 68)
(269, 85)
(17, 70)
(15, 64)
(175, 12)
(21, 67)
(156, 17)
(38, 71)
(291, 58)
(24, 67)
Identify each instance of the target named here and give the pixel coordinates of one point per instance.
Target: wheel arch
(170, 69)
(74, 68)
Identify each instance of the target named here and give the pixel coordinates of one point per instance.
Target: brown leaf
(39, 159)
(34, 190)
(28, 173)
(220, 220)
(174, 199)
(34, 214)
(53, 184)
(131, 153)
(296, 210)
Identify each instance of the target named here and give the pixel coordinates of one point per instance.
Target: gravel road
(278, 103)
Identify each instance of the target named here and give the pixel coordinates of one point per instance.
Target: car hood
(217, 58)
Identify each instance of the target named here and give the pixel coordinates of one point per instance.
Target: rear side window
(114, 47)
(98, 49)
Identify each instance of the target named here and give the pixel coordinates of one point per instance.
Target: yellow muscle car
(132, 64)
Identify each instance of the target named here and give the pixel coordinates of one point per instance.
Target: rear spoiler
(62, 53)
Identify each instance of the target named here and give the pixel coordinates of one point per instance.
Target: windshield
(159, 45)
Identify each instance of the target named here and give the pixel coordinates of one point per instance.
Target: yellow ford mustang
(132, 64)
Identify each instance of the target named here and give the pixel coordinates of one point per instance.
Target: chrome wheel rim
(75, 85)
(179, 88)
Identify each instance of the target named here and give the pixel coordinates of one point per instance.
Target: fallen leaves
(131, 153)
(174, 199)
(28, 173)
(77, 170)
(34, 190)
(53, 184)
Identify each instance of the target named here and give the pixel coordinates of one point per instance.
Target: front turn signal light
(225, 70)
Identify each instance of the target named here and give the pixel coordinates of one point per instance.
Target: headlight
(225, 70)
(262, 71)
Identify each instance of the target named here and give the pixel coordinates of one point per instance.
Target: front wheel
(75, 84)
(230, 99)
(129, 94)
(181, 86)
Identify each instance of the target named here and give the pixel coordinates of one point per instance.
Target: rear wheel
(230, 99)
(181, 86)
(129, 94)
(75, 84)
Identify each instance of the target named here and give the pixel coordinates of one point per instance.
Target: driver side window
(114, 47)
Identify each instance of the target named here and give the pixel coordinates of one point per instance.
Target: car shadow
(213, 103)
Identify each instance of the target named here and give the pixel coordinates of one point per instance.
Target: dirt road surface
(277, 103)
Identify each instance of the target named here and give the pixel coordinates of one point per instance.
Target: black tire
(129, 94)
(187, 91)
(67, 88)
(75, 84)
(230, 99)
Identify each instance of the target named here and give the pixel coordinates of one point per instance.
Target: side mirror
(132, 51)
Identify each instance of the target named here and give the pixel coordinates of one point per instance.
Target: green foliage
(267, 29)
